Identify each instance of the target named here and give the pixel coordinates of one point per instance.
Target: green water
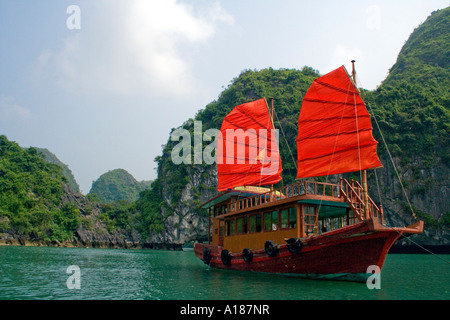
(110, 274)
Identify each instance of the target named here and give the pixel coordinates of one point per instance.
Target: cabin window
(245, 224)
(284, 218)
(310, 219)
(241, 225)
(258, 222)
(267, 221)
(292, 218)
(322, 225)
(288, 218)
(274, 220)
(232, 227)
(271, 221)
(252, 222)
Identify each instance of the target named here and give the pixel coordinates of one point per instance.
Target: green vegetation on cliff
(36, 203)
(31, 196)
(413, 104)
(50, 157)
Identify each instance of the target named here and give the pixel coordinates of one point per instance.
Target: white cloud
(10, 110)
(129, 47)
(339, 56)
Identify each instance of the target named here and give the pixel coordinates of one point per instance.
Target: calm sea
(47, 273)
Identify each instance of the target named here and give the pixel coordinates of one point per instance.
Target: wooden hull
(342, 254)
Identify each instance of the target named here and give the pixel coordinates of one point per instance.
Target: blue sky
(107, 95)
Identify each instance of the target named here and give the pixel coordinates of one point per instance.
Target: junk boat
(312, 229)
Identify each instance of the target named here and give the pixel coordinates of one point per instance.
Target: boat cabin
(246, 217)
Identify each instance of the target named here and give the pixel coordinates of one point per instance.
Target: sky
(101, 83)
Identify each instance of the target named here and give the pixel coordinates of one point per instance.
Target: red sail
(334, 129)
(247, 150)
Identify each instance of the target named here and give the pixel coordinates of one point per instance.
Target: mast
(273, 125)
(271, 110)
(364, 172)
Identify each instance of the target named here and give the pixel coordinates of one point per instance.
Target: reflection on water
(40, 273)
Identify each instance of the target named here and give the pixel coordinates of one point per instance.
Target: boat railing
(375, 211)
(319, 189)
(350, 192)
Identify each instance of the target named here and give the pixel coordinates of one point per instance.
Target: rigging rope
(401, 183)
(285, 139)
(378, 186)
(393, 164)
(357, 137)
(392, 161)
(422, 247)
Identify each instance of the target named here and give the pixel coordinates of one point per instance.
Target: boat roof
(225, 195)
(246, 191)
(328, 208)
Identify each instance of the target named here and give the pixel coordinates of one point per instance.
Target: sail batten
(334, 129)
(354, 148)
(349, 103)
(334, 135)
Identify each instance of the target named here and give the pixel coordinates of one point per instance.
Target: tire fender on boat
(206, 256)
(294, 245)
(247, 255)
(225, 255)
(271, 248)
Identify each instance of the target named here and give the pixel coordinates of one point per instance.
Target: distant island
(117, 185)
